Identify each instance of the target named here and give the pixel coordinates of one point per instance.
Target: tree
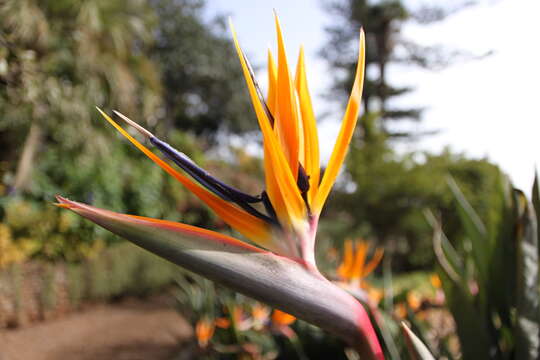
(59, 60)
(386, 192)
(382, 21)
(200, 72)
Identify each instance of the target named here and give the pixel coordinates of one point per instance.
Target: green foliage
(490, 279)
(52, 79)
(204, 88)
(390, 191)
(387, 48)
(75, 281)
(48, 298)
(58, 60)
(382, 22)
(17, 278)
(385, 191)
(29, 229)
(41, 289)
(245, 328)
(125, 270)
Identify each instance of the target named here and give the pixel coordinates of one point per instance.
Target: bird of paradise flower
(282, 271)
(355, 268)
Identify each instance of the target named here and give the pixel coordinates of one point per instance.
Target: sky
(484, 108)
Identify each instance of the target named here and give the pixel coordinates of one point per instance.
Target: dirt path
(128, 331)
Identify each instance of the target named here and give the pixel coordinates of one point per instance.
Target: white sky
(488, 107)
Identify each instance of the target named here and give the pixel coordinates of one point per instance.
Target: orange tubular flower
(281, 220)
(291, 147)
(204, 330)
(435, 281)
(281, 318)
(260, 314)
(222, 323)
(354, 267)
(294, 196)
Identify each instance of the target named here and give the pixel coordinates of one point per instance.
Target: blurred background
(449, 98)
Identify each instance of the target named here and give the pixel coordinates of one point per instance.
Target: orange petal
(282, 318)
(63, 206)
(284, 177)
(273, 191)
(344, 269)
(204, 330)
(359, 260)
(272, 84)
(372, 264)
(272, 187)
(248, 225)
(345, 133)
(435, 281)
(222, 323)
(287, 112)
(309, 126)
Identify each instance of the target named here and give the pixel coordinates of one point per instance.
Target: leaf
(417, 349)
(445, 253)
(276, 280)
(502, 273)
(536, 198)
(527, 306)
(471, 325)
(475, 230)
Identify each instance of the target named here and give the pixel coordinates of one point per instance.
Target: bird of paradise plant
(354, 268)
(280, 271)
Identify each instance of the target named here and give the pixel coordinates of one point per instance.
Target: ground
(130, 330)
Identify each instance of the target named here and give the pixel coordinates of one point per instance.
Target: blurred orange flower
(414, 300)
(375, 295)
(260, 314)
(240, 321)
(400, 311)
(204, 330)
(435, 281)
(222, 323)
(354, 267)
(282, 318)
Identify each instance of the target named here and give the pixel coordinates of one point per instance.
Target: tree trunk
(26, 161)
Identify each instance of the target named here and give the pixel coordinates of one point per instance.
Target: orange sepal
(282, 172)
(309, 127)
(248, 225)
(287, 111)
(346, 132)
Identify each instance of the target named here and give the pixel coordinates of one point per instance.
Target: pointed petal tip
(133, 124)
(63, 206)
(276, 20)
(63, 202)
(61, 199)
(231, 26)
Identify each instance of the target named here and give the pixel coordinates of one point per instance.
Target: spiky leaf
(417, 349)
